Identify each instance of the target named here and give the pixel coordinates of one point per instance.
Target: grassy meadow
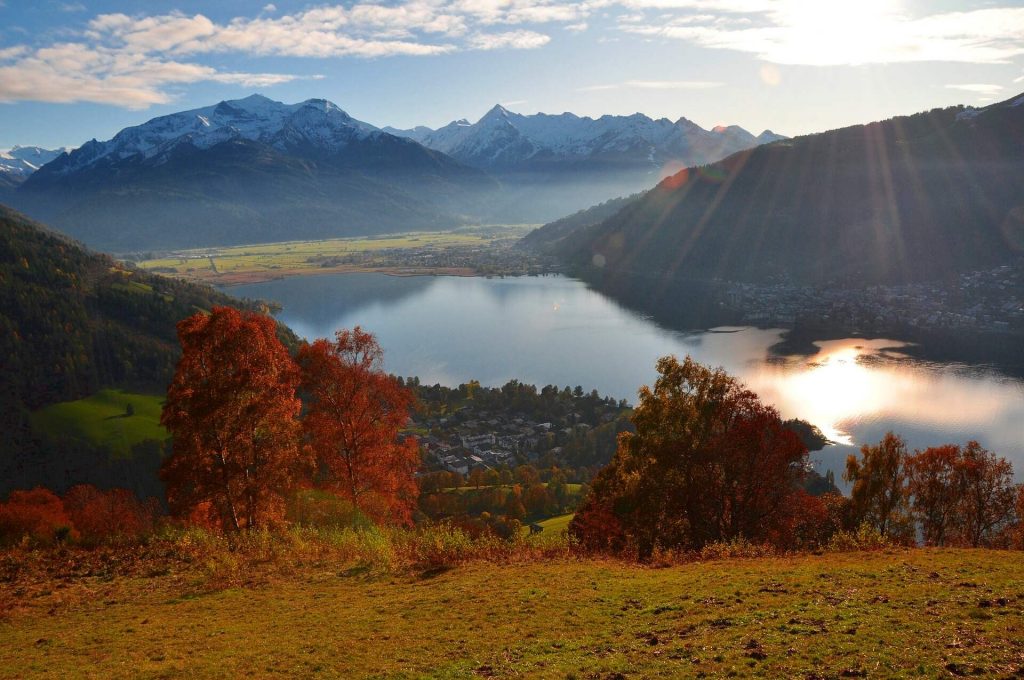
(210, 614)
(248, 263)
(553, 525)
(102, 419)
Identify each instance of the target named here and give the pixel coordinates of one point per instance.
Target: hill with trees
(914, 198)
(73, 322)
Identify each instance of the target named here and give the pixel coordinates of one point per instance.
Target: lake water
(554, 330)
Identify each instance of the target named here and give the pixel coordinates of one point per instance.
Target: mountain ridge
(504, 140)
(909, 199)
(245, 171)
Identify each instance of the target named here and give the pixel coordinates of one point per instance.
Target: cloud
(979, 88)
(654, 85)
(132, 60)
(515, 40)
(837, 32)
(74, 72)
(673, 84)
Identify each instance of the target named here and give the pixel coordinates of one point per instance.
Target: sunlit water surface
(554, 330)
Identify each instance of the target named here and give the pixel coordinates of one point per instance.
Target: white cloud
(516, 40)
(979, 88)
(74, 72)
(132, 60)
(838, 32)
(673, 84)
(654, 85)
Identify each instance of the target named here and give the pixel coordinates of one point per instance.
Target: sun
(837, 31)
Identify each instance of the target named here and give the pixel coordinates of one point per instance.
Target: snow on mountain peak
(315, 122)
(22, 161)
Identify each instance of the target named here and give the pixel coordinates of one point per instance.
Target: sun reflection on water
(852, 382)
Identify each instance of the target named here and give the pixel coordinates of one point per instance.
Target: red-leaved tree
(37, 514)
(354, 413)
(708, 462)
(112, 514)
(233, 413)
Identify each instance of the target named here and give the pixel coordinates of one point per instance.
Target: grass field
(914, 613)
(555, 525)
(102, 419)
(258, 262)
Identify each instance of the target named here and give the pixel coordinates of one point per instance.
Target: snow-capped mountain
(246, 171)
(503, 140)
(312, 124)
(22, 161)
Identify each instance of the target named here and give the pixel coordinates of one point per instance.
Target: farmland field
(408, 253)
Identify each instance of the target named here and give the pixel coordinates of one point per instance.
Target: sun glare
(837, 31)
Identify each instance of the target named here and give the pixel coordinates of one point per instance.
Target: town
(990, 300)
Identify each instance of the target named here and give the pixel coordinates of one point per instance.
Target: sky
(73, 70)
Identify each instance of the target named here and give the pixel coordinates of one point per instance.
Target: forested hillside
(913, 198)
(73, 322)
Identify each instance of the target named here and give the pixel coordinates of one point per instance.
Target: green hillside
(103, 420)
(73, 323)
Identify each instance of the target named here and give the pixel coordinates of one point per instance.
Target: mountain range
(19, 162)
(256, 170)
(913, 198)
(551, 165)
(247, 171)
(505, 141)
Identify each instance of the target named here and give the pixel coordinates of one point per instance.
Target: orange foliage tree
(354, 411)
(987, 506)
(232, 411)
(37, 514)
(936, 486)
(879, 495)
(102, 515)
(708, 462)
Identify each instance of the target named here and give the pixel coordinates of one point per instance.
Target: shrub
(113, 515)
(37, 515)
(865, 538)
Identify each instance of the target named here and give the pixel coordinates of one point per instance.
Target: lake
(555, 330)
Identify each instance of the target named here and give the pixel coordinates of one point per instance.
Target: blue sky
(73, 70)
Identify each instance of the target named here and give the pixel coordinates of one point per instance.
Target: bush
(37, 515)
(865, 538)
(112, 515)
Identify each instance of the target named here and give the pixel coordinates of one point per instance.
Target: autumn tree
(232, 411)
(354, 412)
(936, 487)
(987, 506)
(110, 514)
(879, 494)
(708, 462)
(37, 514)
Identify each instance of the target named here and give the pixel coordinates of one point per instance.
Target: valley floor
(919, 612)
